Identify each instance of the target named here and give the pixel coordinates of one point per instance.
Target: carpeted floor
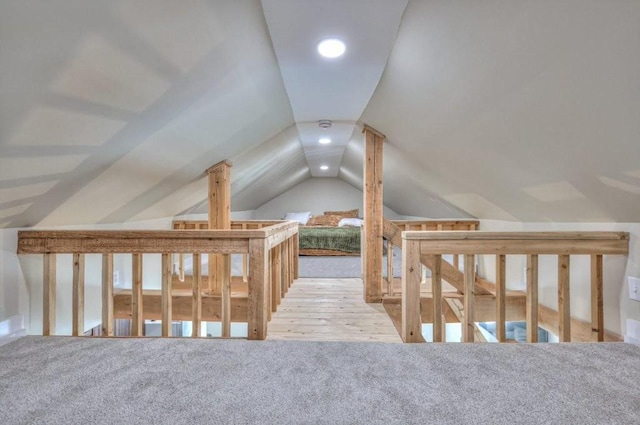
(64, 380)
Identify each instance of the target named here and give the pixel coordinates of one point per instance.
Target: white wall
(617, 305)
(14, 295)
(316, 195)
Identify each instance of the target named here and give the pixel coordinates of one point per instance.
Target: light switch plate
(634, 288)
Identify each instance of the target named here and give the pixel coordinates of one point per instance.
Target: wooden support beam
(258, 289)
(501, 295)
(452, 275)
(373, 213)
(457, 307)
(597, 299)
(219, 177)
(580, 329)
(107, 294)
(167, 317)
(77, 326)
(411, 268)
(196, 302)
(436, 289)
(468, 325)
(49, 295)
(532, 298)
(564, 301)
(137, 315)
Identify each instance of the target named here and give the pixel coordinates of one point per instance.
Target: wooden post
(78, 295)
(258, 287)
(276, 275)
(166, 295)
(196, 302)
(107, 294)
(501, 296)
(220, 218)
(468, 326)
(564, 304)
(411, 266)
(49, 295)
(436, 285)
(532, 298)
(285, 267)
(372, 228)
(597, 299)
(137, 316)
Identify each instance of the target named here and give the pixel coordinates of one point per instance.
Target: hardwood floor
(317, 309)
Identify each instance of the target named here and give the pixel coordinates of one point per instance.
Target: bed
(332, 233)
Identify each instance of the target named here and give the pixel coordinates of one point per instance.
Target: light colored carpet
(64, 380)
(342, 267)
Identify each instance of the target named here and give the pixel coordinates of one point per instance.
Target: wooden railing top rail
(150, 241)
(558, 243)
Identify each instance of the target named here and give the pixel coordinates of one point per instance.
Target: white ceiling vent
(325, 124)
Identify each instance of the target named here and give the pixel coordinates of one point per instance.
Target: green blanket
(345, 239)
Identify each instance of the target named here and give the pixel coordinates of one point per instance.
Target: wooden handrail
(260, 244)
(419, 247)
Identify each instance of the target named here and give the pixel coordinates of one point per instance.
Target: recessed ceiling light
(324, 167)
(324, 141)
(331, 48)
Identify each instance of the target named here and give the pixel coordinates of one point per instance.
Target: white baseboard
(12, 329)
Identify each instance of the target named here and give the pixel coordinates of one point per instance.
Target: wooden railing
(427, 248)
(392, 231)
(272, 252)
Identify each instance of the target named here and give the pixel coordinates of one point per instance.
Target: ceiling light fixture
(331, 48)
(324, 141)
(324, 124)
(324, 167)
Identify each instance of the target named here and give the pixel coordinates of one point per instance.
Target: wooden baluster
(296, 253)
(597, 300)
(49, 295)
(456, 261)
(107, 294)
(411, 267)
(436, 284)
(285, 267)
(167, 295)
(196, 301)
(389, 267)
(226, 295)
(276, 278)
(137, 297)
(468, 327)
(532, 298)
(78, 295)
(258, 287)
(501, 296)
(564, 304)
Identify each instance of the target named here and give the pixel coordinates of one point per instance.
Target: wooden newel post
(373, 215)
(220, 218)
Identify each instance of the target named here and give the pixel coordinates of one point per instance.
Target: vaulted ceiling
(110, 111)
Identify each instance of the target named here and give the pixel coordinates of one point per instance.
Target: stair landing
(317, 309)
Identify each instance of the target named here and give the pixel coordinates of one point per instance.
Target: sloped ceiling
(110, 111)
(521, 110)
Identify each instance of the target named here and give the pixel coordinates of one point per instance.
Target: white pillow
(301, 217)
(357, 222)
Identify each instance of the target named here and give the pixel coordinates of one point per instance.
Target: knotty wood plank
(411, 270)
(564, 301)
(373, 213)
(532, 298)
(501, 295)
(597, 299)
(258, 289)
(167, 316)
(468, 325)
(49, 295)
(137, 315)
(107, 294)
(196, 302)
(436, 288)
(77, 326)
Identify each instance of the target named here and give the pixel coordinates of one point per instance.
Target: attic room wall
(316, 195)
(617, 305)
(14, 297)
